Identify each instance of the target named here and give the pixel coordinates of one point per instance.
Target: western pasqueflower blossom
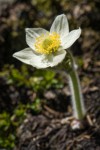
(47, 49)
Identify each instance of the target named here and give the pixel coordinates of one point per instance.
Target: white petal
(40, 61)
(69, 39)
(32, 34)
(28, 56)
(60, 25)
(58, 57)
(24, 55)
(48, 60)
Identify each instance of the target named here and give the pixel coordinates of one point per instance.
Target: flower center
(47, 44)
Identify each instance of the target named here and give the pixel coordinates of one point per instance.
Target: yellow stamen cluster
(47, 43)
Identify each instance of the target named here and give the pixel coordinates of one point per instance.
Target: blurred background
(27, 92)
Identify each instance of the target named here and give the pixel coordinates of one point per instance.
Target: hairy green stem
(68, 65)
(77, 98)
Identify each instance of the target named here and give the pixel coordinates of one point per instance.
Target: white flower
(47, 49)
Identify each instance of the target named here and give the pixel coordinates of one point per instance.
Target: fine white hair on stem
(77, 105)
